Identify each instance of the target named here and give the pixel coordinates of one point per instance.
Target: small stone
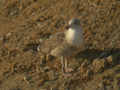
(109, 60)
(99, 65)
(1, 38)
(46, 69)
(79, 88)
(42, 60)
(116, 84)
(89, 73)
(8, 34)
(49, 57)
(38, 48)
(84, 64)
(109, 87)
(40, 40)
(83, 68)
(101, 86)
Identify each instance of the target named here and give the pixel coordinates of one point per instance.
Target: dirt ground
(24, 23)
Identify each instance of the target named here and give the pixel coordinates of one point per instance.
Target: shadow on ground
(92, 54)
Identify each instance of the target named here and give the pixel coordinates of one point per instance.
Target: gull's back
(54, 41)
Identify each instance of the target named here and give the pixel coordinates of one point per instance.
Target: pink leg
(68, 70)
(65, 70)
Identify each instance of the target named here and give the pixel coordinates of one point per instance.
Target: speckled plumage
(65, 44)
(57, 45)
(53, 42)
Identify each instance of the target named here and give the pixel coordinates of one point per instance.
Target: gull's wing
(67, 50)
(54, 41)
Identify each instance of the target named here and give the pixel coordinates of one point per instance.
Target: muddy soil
(24, 23)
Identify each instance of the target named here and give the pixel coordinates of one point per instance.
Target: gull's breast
(74, 37)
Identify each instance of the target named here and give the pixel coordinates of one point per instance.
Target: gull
(65, 44)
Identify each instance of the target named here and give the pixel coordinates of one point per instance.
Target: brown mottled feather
(54, 41)
(67, 50)
(57, 46)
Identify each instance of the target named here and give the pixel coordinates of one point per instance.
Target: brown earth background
(24, 23)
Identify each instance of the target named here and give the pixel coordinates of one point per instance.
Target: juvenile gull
(65, 44)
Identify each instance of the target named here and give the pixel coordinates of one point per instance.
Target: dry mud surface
(24, 23)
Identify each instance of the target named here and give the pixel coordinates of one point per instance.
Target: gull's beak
(68, 26)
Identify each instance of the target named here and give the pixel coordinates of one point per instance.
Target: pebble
(99, 65)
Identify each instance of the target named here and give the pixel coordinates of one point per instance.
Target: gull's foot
(69, 70)
(67, 74)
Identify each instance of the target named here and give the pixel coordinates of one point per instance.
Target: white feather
(74, 36)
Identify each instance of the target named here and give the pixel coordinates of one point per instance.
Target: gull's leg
(62, 62)
(66, 66)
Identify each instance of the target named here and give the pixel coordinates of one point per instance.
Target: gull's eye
(67, 27)
(77, 22)
(74, 22)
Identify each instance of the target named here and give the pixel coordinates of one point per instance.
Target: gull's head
(73, 23)
(74, 34)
